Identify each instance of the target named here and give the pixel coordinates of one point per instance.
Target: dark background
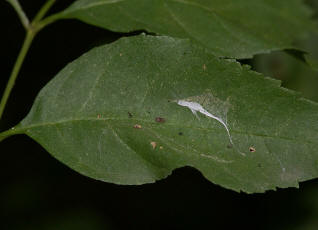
(38, 192)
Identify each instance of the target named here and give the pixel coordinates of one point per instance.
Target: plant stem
(32, 30)
(45, 8)
(24, 19)
(16, 69)
(9, 133)
(49, 20)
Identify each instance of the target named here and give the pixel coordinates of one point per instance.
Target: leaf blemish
(130, 115)
(252, 149)
(153, 144)
(216, 158)
(160, 120)
(137, 126)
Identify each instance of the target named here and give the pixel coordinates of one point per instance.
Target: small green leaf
(228, 28)
(122, 113)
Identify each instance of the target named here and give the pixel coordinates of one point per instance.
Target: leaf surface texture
(115, 114)
(227, 28)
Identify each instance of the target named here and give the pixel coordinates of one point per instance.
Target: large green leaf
(119, 114)
(229, 28)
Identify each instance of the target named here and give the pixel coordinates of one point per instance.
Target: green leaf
(228, 28)
(119, 114)
(312, 61)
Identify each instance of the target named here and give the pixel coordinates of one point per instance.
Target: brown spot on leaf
(137, 126)
(153, 144)
(160, 119)
(160, 147)
(98, 116)
(120, 54)
(204, 67)
(252, 149)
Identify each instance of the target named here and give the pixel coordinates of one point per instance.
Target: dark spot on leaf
(180, 133)
(130, 115)
(137, 126)
(252, 149)
(229, 146)
(259, 165)
(160, 119)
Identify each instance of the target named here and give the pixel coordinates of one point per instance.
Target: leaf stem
(23, 18)
(45, 8)
(16, 69)
(9, 133)
(49, 20)
(32, 29)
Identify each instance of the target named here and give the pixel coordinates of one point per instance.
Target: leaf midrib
(20, 129)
